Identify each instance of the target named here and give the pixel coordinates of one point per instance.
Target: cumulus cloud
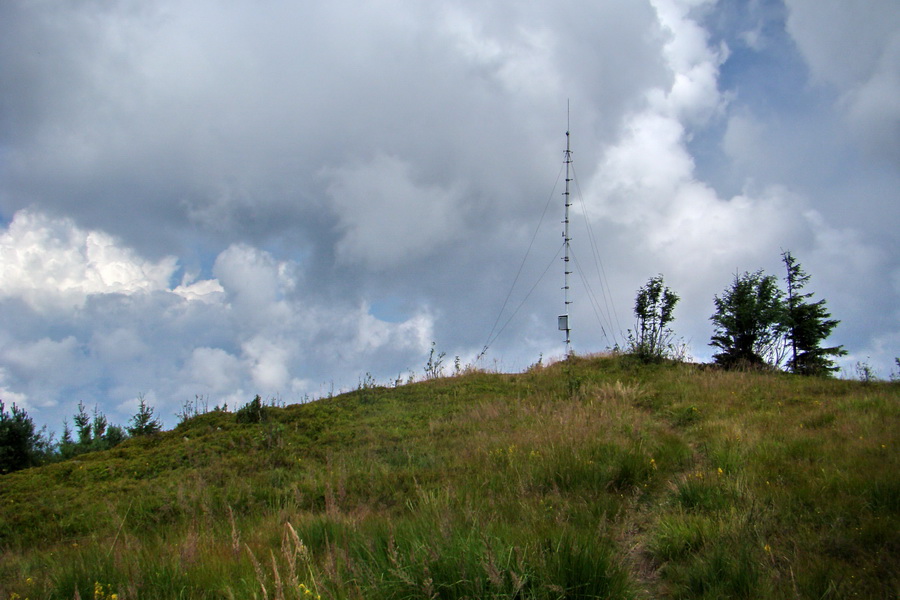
(647, 183)
(47, 261)
(214, 369)
(693, 97)
(855, 46)
(386, 218)
(116, 327)
(223, 200)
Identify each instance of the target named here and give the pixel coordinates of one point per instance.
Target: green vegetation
(94, 435)
(749, 324)
(654, 306)
(252, 412)
(143, 422)
(637, 481)
(758, 325)
(21, 446)
(808, 324)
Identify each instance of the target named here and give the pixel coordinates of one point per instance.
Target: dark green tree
(93, 434)
(83, 426)
(100, 424)
(67, 447)
(252, 412)
(807, 325)
(143, 422)
(748, 322)
(653, 309)
(114, 436)
(21, 446)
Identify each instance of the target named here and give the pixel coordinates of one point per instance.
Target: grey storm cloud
(225, 199)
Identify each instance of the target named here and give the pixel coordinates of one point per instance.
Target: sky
(216, 199)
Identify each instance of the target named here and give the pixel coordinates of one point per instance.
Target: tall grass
(632, 482)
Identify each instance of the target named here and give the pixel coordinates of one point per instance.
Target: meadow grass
(592, 478)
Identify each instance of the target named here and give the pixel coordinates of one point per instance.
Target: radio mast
(564, 318)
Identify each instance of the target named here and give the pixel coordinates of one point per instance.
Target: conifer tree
(143, 422)
(67, 447)
(21, 446)
(748, 322)
(83, 426)
(807, 325)
(100, 424)
(93, 434)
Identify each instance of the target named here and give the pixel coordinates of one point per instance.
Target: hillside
(592, 478)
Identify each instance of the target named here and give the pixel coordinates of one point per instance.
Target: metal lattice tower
(564, 318)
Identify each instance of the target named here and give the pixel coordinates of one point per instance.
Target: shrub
(653, 308)
(252, 412)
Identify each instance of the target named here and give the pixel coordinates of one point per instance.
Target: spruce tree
(143, 422)
(93, 434)
(67, 447)
(83, 426)
(100, 424)
(807, 325)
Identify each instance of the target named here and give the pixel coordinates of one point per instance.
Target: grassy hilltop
(591, 478)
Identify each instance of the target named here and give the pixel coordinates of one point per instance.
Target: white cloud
(843, 40)
(521, 62)
(693, 96)
(52, 261)
(343, 183)
(206, 290)
(874, 106)
(48, 364)
(855, 46)
(122, 332)
(255, 285)
(744, 140)
(386, 217)
(647, 184)
(647, 180)
(214, 369)
(11, 397)
(120, 345)
(414, 334)
(268, 362)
